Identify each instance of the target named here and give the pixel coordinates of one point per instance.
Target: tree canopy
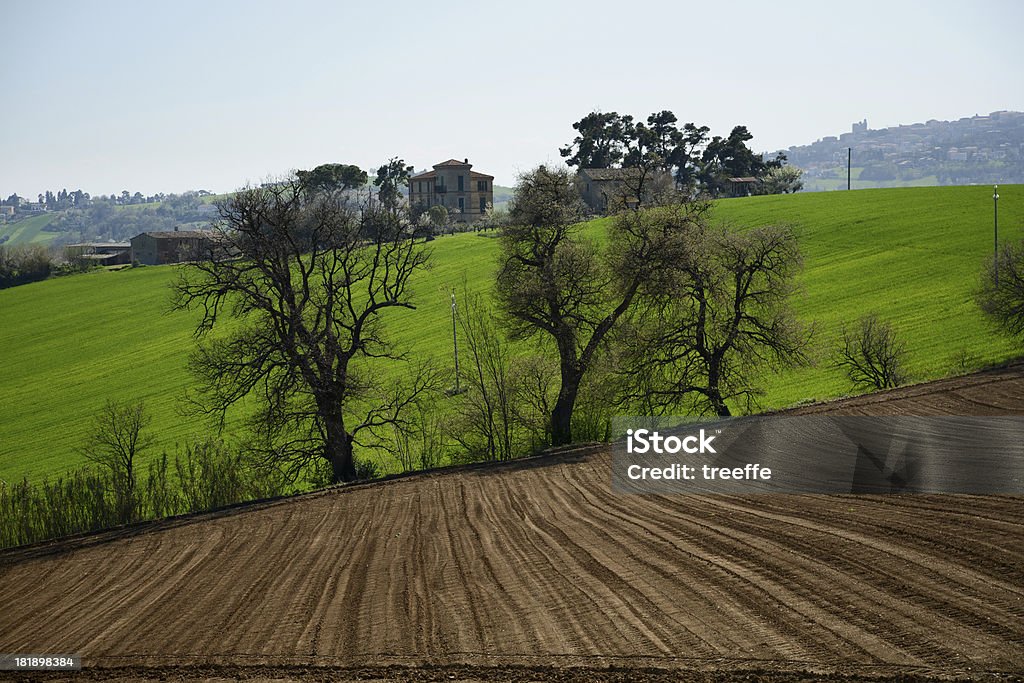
(391, 178)
(328, 177)
(602, 140)
(696, 161)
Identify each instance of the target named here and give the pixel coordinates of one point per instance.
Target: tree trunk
(561, 415)
(718, 403)
(714, 395)
(338, 450)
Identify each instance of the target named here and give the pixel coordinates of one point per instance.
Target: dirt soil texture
(535, 571)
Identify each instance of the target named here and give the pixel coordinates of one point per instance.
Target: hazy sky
(170, 96)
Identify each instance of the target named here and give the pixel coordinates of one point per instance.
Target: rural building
(599, 186)
(101, 253)
(157, 248)
(743, 187)
(467, 194)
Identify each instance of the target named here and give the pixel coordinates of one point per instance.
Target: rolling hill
(29, 230)
(910, 255)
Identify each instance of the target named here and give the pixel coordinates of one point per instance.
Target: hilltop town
(973, 150)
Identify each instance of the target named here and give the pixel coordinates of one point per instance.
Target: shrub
(1001, 296)
(22, 264)
(91, 499)
(871, 354)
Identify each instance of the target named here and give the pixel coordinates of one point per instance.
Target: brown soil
(536, 571)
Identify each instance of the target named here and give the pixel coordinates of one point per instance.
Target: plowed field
(535, 570)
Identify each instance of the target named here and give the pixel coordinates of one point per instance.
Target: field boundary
(10, 556)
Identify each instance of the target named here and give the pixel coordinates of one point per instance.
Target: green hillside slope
(29, 230)
(910, 255)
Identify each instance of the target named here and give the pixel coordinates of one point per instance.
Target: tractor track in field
(536, 571)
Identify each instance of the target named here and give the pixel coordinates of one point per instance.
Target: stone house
(599, 187)
(465, 193)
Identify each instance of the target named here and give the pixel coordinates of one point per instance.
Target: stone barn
(158, 248)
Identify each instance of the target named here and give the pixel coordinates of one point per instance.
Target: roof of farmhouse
(607, 173)
(168, 234)
(451, 163)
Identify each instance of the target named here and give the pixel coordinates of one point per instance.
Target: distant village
(974, 150)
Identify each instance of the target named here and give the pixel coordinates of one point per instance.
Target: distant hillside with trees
(78, 217)
(975, 150)
(63, 217)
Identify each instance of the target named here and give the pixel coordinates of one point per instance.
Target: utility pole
(455, 341)
(995, 227)
(849, 160)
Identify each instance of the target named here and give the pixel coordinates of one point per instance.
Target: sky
(173, 96)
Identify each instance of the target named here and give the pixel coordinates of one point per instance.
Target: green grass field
(29, 230)
(839, 181)
(910, 255)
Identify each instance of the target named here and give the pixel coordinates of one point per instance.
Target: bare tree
(871, 355)
(555, 283)
(310, 280)
(422, 440)
(718, 318)
(115, 441)
(487, 421)
(1001, 296)
(536, 390)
